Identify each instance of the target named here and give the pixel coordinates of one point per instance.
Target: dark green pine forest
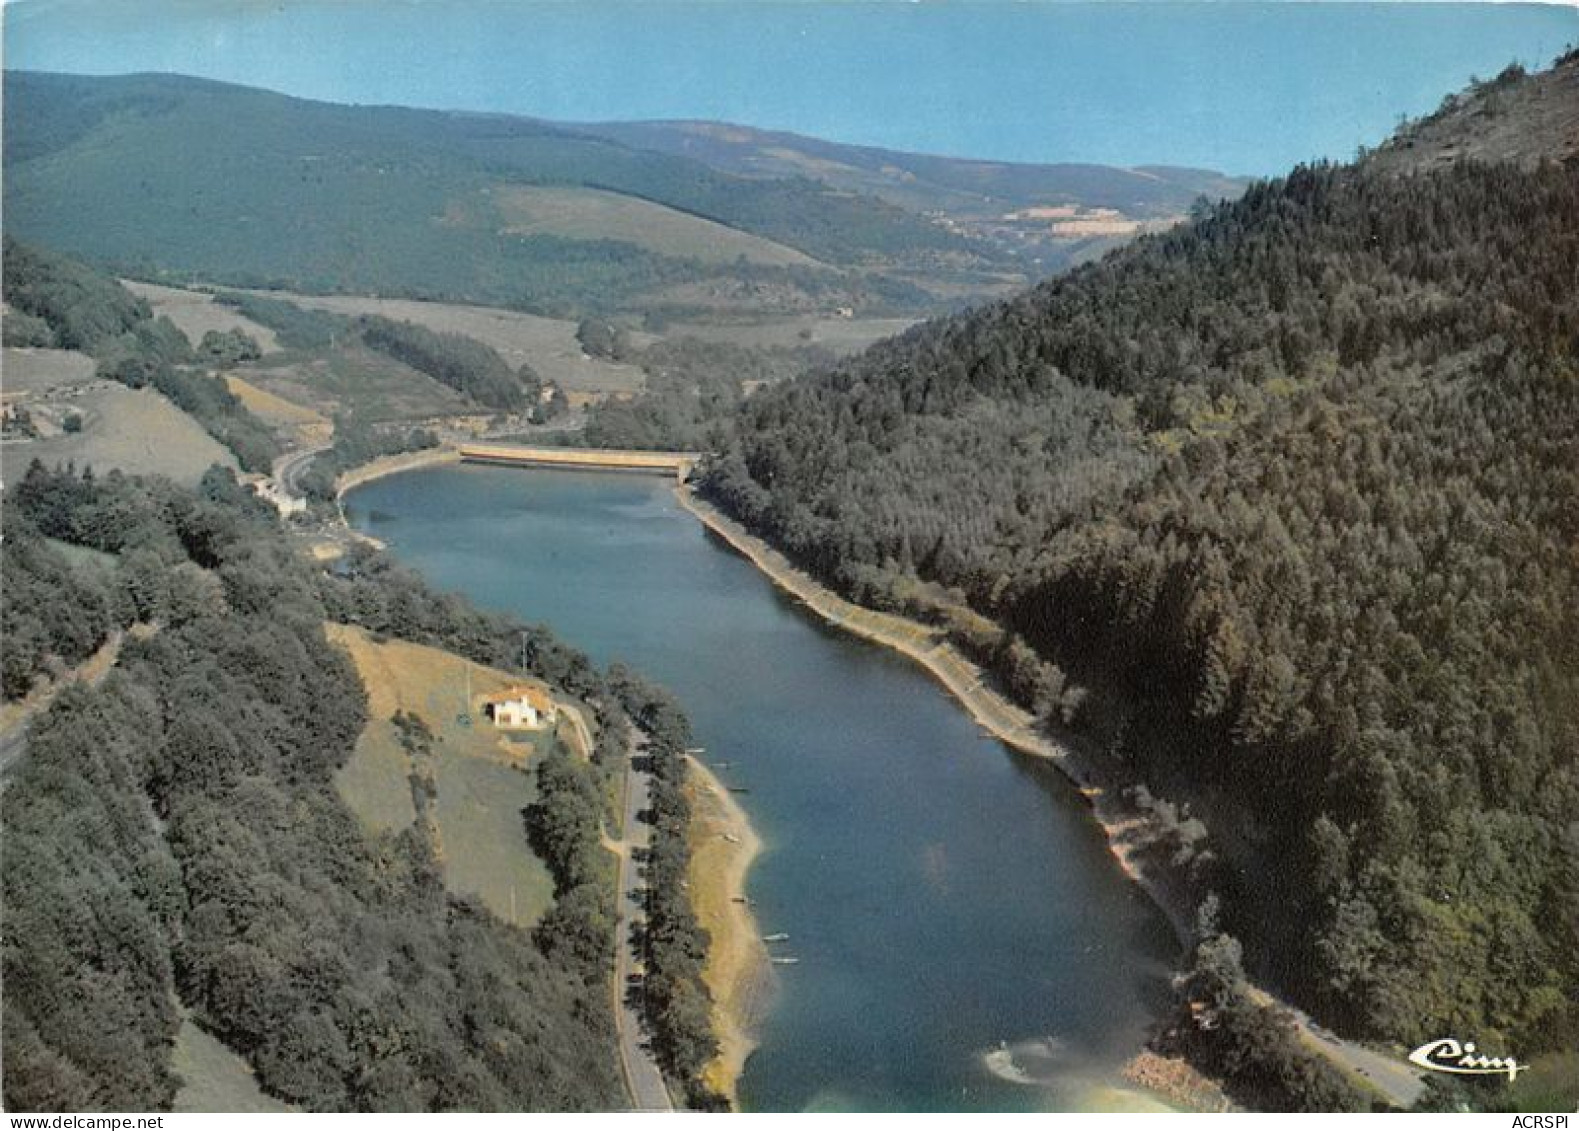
(1280, 510)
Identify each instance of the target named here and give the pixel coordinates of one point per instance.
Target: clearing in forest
(195, 313)
(213, 1078)
(137, 431)
(478, 779)
(306, 428)
(549, 345)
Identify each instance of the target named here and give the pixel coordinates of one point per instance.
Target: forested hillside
(922, 181)
(303, 195)
(509, 211)
(173, 840)
(1281, 509)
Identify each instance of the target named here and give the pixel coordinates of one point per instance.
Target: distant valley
(176, 179)
(1052, 215)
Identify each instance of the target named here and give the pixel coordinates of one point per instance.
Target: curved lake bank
(966, 940)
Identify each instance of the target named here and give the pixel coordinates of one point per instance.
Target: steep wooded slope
(173, 838)
(1290, 498)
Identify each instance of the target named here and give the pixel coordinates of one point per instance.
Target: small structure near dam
(678, 464)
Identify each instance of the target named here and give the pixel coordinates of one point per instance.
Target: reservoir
(966, 941)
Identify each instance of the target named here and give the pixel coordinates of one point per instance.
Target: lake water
(948, 899)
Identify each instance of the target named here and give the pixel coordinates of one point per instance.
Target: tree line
(464, 364)
(692, 391)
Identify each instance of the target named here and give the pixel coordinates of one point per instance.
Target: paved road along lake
(965, 939)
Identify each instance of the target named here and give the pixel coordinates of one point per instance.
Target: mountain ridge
(1034, 209)
(312, 195)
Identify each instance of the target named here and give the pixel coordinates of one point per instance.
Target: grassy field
(196, 313)
(841, 336)
(479, 775)
(214, 1079)
(485, 850)
(592, 214)
(548, 344)
(36, 371)
(137, 431)
(367, 384)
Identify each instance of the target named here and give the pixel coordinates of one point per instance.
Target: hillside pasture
(593, 214)
(481, 779)
(362, 382)
(548, 344)
(136, 431)
(195, 313)
(310, 196)
(35, 371)
(301, 425)
(215, 1079)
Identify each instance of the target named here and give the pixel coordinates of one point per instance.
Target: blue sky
(1244, 87)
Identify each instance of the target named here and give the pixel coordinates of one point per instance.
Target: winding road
(291, 466)
(1397, 1081)
(13, 735)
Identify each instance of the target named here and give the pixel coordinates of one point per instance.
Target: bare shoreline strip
(1125, 829)
(968, 684)
(737, 971)
(386, 466)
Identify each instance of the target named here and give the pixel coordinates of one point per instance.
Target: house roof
(535, 694)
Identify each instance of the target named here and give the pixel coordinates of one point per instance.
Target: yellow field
(306, 427)
(356, 380)
(591, 214)
(480, 776)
